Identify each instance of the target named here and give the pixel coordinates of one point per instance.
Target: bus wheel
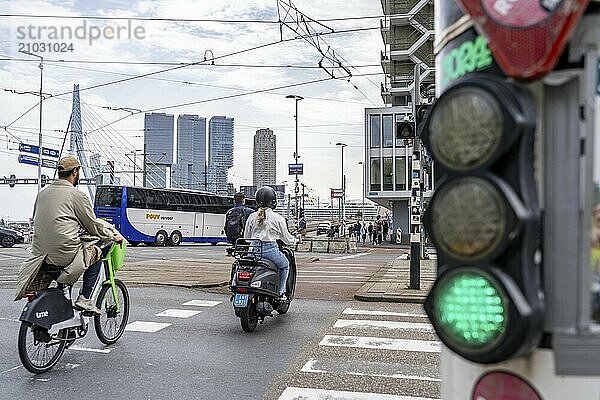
(161, 238)
(213, 243)
(175, 238)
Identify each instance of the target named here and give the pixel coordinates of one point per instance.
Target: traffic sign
(527, 37)
(12, 180)
(33, 149)
(296, 169)
(30, 160)
(337, 193)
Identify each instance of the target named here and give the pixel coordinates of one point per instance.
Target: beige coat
(65, 229)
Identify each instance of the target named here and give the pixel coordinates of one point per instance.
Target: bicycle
(50, 324)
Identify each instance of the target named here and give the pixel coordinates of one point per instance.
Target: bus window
(136, 198)
(108, 197)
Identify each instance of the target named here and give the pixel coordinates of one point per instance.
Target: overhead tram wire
(183, 66)
(164, 19)
(226, 97)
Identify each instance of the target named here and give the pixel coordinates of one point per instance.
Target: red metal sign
(527, 37)
(499, 385)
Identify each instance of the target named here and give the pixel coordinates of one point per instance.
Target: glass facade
(375, 129)
(388, 131)
(388, 174)
(401, 173)
(375, 174)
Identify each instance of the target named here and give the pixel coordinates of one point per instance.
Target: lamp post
(296, 156)
(361, 163)
(41, 66)
(343, 225)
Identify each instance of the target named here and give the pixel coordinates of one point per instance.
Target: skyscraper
(158, 148)
(264, 160)
(220, 152)
(191, 153)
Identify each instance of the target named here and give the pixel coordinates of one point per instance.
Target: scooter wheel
(249, 318)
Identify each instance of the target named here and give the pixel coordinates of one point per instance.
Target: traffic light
(44, 180)
(405, 130)
(12, 180)
(487, 301)
(420, 114)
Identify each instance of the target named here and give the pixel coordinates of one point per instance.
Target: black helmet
(266, 197)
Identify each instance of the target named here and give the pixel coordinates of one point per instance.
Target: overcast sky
(333, 110)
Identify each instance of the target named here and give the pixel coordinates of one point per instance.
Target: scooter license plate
(240, 300)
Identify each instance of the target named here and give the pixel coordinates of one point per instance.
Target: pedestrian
(357, 229)
(364, 233)
(370, 230)
(236, 217)
(385, 228)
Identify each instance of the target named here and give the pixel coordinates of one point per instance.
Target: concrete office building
(158, 149)
(264, 160)
(408, 33)
(220, 152)
(190, 170)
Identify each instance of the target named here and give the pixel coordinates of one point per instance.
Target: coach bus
(163, 216)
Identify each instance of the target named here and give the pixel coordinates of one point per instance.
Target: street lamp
(41, 66)
(296, 156)
(343, 225)
(363, 189)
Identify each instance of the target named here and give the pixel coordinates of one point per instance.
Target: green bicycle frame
(111, 275)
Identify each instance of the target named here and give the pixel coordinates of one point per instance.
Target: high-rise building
(220, 152)
(158, 148)
(408, 35)
(265, 153)
(189, 171)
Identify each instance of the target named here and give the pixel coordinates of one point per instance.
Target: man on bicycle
(66, 231)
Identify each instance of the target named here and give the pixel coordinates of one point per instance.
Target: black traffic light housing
(405, 130)
(44, 180)
(487, 303)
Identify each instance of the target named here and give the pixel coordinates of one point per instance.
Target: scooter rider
(62, 219)
(269, 227)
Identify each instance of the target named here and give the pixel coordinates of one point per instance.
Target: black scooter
(255, 283)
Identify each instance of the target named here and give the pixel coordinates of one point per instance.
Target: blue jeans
(270, 251)
(90, 276)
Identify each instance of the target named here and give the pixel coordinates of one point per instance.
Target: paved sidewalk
(390, 283)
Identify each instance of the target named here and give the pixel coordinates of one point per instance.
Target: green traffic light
(471, 309)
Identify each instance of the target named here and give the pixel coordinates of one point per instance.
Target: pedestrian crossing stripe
(144, 326)
(370, 324)
(202, 303)
(354, 311)
(175, 313)
(366, 342)
(297, 393)
(366, 368)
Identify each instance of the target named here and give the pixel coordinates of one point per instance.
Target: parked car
(323, 227)
(8, 237)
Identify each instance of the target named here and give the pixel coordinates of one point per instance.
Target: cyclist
(268, 226)
(66, 233)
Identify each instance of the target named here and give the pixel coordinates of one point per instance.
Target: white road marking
(81, 348)
(296, 393)
(175, 313)
(355, 311)
(10, 319)
(347, 257)
(202, 303)
(12, 369)
(341, 276)
(381, 343)
(143, 326)
(331, 282)
(310, 368)
(370, 324)
(343, 266)
(347, 273)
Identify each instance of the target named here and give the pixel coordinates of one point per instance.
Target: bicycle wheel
(38, 350)
(110, 324)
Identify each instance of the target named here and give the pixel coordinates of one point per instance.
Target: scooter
(255, 283)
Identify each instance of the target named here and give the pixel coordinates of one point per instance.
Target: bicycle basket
(117, 255)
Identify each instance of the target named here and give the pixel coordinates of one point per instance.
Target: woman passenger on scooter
(268, 226)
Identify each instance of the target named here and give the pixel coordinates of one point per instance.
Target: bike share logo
(41, 314)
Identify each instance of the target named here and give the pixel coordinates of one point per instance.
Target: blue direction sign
(31, 160)
(33, 149)
(296, 169)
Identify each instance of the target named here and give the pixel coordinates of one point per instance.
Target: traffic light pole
(416, 198)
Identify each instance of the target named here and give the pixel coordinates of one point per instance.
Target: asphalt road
(319, 349)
